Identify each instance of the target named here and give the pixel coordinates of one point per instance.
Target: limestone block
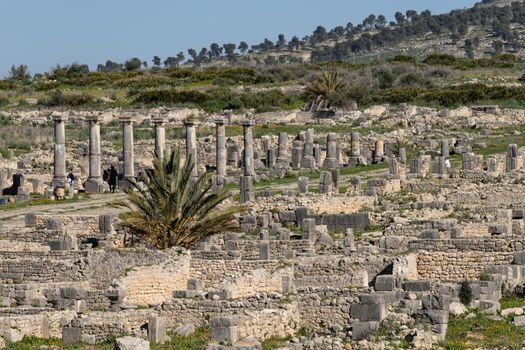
(71, 335)
(131, 343)
(369, 312)
(185, 330)
(195, 284)
(362, 330)
(385, 283)
(157, 330)
(417, 286)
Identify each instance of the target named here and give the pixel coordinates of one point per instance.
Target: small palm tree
(169, 208)
(328, 91)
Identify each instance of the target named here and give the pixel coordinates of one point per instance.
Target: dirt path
(95, 205)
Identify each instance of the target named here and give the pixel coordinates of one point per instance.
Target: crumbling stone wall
(318, 305)
(154, 284)
(66, 266)
(462, 259)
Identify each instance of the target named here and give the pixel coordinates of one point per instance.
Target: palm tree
(328, 91)
(169, 208)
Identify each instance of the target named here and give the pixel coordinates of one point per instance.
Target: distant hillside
(489, 28)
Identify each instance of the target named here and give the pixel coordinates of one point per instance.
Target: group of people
(109, 175)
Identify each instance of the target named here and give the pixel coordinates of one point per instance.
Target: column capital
(220, 121)
(93, 118)
(247, 123)
(125, 119)
(158, 121)
(58, 117)
(189, 122)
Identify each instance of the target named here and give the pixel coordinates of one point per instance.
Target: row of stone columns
(94, 182)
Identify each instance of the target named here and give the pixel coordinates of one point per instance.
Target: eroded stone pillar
(379, 151)
(59, 175)
(355, 149)
(512, 157)
(308, 160)
(445, 149)
(160, 137)
(248, 148)
(331, 161)
(220, 158)
(94, 181)
(283, 160)
(191, 145)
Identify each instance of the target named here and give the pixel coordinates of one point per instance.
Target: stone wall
(214, 272)
(462, 259)
(154, 284)
(89, 224)
(316, 306)
(57, 266)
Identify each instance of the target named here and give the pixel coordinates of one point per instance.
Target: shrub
(4, 101)
(465, 293)
(403, 58)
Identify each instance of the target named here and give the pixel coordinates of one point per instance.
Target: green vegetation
(437, 80)
(274, 343)
(482, 332)
(465, 293)
(196, 341)
(172, 209)
(43, 201)
(511, 302)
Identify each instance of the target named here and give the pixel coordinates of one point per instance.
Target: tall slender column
(331, 161)
(221, 147)
(249, 169)
(160, 137)
(94, 182)
(191, 144)
(59, 176)
(127, 147)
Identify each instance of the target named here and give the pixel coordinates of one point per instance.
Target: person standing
(112, 179)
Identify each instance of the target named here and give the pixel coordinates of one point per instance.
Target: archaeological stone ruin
(355, 226)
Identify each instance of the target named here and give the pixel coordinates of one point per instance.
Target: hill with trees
(466, 56)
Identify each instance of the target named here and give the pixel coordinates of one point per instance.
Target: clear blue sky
(42, 33)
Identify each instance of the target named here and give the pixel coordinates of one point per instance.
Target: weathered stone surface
(131, 343)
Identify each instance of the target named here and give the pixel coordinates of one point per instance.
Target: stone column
(512, 157)
(160, 137)
(441, 168)
(283, 160)
(415, 166)
(355, 149)
(393, 168)
(60, 176)
(297, 150)
(94, 181)
(308, 160)
(191, 145)
(379, 151)
(248, 148)
(445, 149)
(331, 161)
(246, 180)
(492, 165)
(220, 158)
(127, 147)
(467, 161)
